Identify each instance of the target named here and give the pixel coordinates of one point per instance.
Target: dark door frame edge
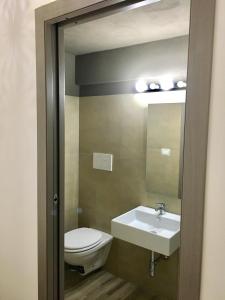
(201, 42)
(48, 18)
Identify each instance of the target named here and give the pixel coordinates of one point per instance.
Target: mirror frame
(50, 77)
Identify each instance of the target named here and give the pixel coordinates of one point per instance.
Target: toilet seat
(82, 239)
(96, 246)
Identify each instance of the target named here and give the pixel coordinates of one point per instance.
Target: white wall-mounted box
(103, 161)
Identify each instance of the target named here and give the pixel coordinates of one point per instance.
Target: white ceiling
(162, 20)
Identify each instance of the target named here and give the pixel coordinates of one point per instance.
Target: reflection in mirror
(125, 79)
(164, 149)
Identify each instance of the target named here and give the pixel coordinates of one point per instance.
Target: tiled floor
(103, 286)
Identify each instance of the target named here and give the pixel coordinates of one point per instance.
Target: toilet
(86, 249)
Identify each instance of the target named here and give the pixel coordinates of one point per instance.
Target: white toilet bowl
(86, 249)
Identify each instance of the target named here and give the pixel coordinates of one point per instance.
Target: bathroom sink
(144, 227)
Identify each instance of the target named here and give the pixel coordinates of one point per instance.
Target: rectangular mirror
(164, 151)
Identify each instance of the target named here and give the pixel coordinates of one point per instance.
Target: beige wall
(18, 151)
(213, 280)
(117, 124)
(18, 278)
(71, 162)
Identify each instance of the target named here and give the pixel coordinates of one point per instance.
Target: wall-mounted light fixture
(154, 86)
(181, 84)
(165, 83)
(141, 86)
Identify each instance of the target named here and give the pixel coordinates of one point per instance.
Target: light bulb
(154, 86)
(141, 86)
(166, 83)
(181, 84)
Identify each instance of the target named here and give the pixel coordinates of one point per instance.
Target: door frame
(50, 76)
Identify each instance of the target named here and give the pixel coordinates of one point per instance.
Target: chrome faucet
(161, 207)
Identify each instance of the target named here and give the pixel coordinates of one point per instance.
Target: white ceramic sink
(144, 227)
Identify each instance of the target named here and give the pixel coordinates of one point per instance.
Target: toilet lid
(82, 238)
